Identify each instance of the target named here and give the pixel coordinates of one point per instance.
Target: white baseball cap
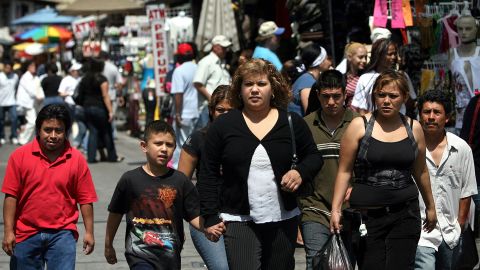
(222, 41)
(270, 28)
(75, 66)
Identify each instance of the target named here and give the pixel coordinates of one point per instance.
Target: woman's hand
(335, 225)
(214, 232)
(110, 117)
(291, 181)
(431, 219)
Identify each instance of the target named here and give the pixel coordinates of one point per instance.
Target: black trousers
(392, 238)
(251, 246)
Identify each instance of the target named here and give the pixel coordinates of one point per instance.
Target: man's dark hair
(158, 126)
(54, 111)
(436, 96)
(331, 79)
(52, 67)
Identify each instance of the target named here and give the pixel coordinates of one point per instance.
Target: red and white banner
(82, 27)
(157, 17)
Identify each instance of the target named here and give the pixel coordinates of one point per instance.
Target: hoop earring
(273, 96)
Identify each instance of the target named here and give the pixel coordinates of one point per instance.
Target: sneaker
(14, 141)
(2, 141)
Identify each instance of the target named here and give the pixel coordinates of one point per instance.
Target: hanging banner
(157, 17)
(82, 27)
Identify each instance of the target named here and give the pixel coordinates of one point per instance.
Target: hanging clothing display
(216, 18)
(463, 90)
(400, 13)
(180, 29)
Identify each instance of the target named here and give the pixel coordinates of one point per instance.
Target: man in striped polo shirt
(327, 125)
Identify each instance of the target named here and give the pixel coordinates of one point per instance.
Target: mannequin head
(467, 29)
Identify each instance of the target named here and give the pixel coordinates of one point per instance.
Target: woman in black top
(98, 110)
(212, 253)
(254, 196)
(387, 152)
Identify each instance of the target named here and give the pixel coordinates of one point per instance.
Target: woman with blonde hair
(262, 167)
(356, 55)
(386, 152)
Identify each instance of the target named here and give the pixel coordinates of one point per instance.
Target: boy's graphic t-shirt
(155, 208)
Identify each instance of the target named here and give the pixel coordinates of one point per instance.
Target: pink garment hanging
(380, 14)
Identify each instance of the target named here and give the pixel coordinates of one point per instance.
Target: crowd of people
(282, 154)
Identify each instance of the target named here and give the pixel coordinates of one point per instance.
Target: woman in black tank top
(386, 152)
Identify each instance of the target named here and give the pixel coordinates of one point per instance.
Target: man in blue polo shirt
(268, 41)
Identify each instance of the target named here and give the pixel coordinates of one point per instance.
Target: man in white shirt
(186, 97)
(115, 83)
(27, 92)
(8, 82)
(452, 176)
(211, 72)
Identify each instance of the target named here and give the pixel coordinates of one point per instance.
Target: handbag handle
(294, 145)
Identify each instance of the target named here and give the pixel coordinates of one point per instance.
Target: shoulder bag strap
(294, 145)
(474, 121)
(409, 128)
(362, 152)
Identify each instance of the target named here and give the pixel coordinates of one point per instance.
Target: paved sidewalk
(105, 176)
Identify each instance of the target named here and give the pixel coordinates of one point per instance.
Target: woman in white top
(253, 196)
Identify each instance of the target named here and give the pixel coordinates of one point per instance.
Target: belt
(394, 208)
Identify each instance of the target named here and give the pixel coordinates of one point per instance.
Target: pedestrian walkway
(105, 176)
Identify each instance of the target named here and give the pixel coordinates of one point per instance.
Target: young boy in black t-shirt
(155, 199)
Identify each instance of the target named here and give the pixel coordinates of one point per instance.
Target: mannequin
(463, 61)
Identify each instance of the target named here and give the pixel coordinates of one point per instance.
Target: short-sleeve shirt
(306, 80)
(67, 87)
(155, 208)
(194, 145)
(362, 99)
(182, 82)
(453, 180)
(47, 192)
(110, 71)
(211, 72)
(92, 90)
(8, 82)
(266, 54)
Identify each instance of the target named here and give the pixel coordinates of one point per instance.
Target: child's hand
(110, 255)
(214, 232)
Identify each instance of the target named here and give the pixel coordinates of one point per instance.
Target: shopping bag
(333, 256)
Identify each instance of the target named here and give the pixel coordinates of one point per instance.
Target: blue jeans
(315, 236)
(203, 119)
(56, 249)
(212, 253)
(12, 113)
(53, 100)
(142, 266)
(443, 259)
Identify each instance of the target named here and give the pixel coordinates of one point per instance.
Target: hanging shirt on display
(180, 29)
(463, 91)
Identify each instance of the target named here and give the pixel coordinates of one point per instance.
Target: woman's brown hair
(394, 77)
(256, 67)
(221, 93)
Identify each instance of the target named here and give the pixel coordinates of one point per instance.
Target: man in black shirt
(50, 85)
